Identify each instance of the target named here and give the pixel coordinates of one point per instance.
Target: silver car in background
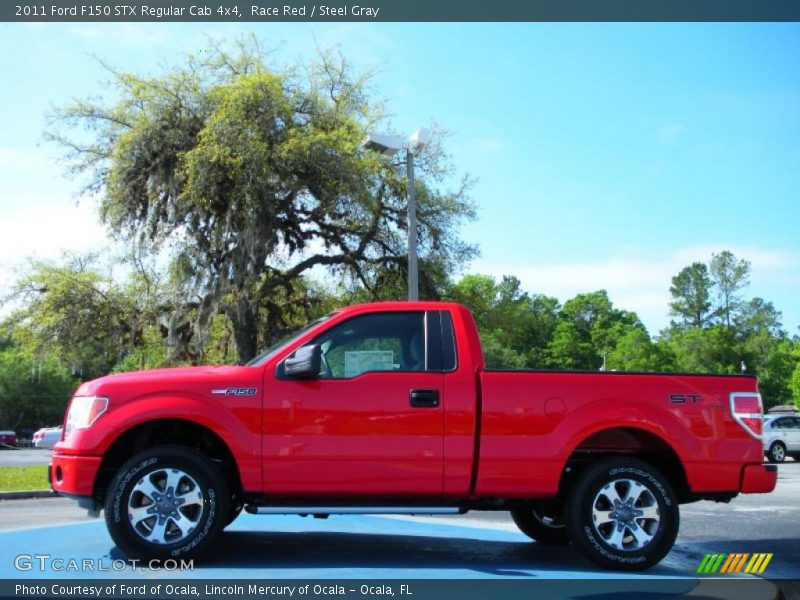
(781, 436)
(47, 437)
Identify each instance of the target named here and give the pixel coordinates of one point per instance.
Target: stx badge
(684, 398)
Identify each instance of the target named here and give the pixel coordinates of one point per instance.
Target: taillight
(747, 411)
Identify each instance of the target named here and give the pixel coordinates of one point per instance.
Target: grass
(14, 479)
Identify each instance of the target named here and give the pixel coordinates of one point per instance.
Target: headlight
(83, 411)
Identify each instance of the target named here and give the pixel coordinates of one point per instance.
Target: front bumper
(758, 479)
(74, 475)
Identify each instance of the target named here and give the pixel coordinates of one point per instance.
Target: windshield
(284, 341)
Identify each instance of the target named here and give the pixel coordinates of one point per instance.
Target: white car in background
(47, 437)
(781, 437)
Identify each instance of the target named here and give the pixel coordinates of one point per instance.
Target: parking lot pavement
(475, 546)
(25, 457)
(353, 547)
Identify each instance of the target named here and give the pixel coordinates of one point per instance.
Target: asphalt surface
(25, 457)
(477, 545)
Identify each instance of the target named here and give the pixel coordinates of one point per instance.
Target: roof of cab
(398, 305)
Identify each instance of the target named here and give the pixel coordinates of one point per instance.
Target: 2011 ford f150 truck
(387, 408)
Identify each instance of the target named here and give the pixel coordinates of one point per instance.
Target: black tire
(632, 542)
(777, 452)
(198, 512)
(235, 510)
(542, 523)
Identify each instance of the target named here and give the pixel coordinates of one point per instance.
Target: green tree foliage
(729, 275)
(794, 382)
(691, 295)
(588, 329)
(515, 327)
(74, 312)
(748, 335)
(775, 373)
(635, 351)
(703, 350)
(33, 391)
(254, 176)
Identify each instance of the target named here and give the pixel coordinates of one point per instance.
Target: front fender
(237, 422)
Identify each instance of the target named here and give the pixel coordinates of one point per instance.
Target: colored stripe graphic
(754, 563)
(759, 569)
(734, 563)
(703, 563)
(740, 563)
(728, 566)
(717, 563)
(711, 563)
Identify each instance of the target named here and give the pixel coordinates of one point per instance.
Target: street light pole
(389, 145)
(413, 268)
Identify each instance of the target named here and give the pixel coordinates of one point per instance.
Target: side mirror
(305, 363)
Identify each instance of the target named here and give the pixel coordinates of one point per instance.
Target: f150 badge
(235, 392)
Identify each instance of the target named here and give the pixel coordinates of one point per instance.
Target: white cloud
(760, 258)
(13, 159)
(44, 229)
(637, 282)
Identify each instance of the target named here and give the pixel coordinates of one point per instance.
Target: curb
(25, 494)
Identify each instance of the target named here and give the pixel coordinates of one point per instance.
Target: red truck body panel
(181, 393)
(494, 433)
(533, 421)
(352, 437)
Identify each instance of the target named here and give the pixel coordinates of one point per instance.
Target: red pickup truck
(387, 408)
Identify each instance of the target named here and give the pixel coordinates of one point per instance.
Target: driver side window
(374, 342)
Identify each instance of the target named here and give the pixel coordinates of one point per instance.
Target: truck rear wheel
(542, 523)
(166, 502)
(235, 510)
(622, 514)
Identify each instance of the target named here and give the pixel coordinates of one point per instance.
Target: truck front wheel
(166, 502)
(622, 514)
(541, 523)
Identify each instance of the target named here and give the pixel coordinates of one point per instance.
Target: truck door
(371, 423)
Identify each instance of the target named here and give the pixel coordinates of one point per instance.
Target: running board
(353, 510)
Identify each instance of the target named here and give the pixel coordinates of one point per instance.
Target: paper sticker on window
(356, 363)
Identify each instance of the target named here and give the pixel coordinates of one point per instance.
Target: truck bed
(533, 422)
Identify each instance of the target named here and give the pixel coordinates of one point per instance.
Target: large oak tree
(252, 176)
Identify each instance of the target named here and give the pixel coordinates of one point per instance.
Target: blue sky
(607, 156)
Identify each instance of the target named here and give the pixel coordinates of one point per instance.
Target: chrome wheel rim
(548, 520)
(165, 506)
(778, 453)
(625, 515)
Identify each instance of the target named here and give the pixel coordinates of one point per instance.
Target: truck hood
(199, 380)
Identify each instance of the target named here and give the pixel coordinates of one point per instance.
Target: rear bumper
(74, 475)
(758, 479)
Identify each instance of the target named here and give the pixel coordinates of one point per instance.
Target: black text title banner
(400, 10)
